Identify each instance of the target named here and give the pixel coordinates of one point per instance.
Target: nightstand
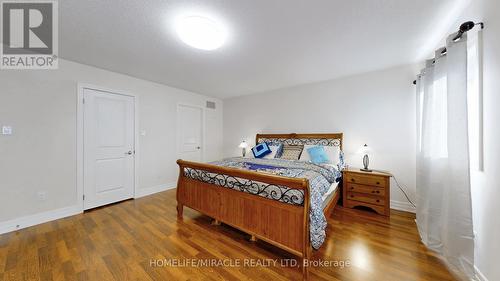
(368, 189)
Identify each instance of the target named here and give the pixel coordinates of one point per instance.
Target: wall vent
(211, 104)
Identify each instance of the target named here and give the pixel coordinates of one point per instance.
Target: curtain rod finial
(466, 26)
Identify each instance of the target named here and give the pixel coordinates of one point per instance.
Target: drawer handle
(378, 201)
(352, 187)
(378, 191)
(378, 182)
(352, 196)
(353, 180)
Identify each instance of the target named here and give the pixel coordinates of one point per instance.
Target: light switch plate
(6, 130)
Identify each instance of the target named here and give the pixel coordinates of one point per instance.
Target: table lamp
(365, 150)
(243, 145)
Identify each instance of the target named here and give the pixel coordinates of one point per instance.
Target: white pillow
(249, 153)
(305, 155)
(333, 153)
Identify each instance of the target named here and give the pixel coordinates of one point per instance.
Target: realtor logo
(29, 35)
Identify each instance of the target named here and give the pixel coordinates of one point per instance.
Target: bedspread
(320, 178)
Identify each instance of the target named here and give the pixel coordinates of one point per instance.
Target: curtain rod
(464, 27)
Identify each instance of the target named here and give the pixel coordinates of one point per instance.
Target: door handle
(198, 147)
(129, 152)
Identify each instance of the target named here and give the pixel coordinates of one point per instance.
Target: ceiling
(272, 44)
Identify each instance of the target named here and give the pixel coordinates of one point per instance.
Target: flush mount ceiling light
(200, 32)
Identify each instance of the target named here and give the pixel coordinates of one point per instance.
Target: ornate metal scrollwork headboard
(335, 139)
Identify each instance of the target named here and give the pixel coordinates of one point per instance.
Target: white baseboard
(141, 192)
(402, 206)
(480, 276)
(30, 220)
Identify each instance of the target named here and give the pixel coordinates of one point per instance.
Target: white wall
(376, 108)
(41, 154)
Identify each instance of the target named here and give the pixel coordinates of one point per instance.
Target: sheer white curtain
(444, 211)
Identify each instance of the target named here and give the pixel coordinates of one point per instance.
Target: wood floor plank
(123, 241)
(3, 259)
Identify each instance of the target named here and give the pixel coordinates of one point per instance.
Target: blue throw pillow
(261, 150)
(318, 155)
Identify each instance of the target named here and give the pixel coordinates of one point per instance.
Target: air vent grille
(211, 104)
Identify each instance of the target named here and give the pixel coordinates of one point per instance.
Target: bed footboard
(281, 224)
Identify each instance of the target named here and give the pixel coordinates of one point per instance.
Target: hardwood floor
(125, 240)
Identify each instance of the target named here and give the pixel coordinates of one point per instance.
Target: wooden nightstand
(368, 189)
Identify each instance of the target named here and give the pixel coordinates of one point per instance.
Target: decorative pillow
(318, 155)
(291, 152)
(261, 150)
(279, 152)
(274, 151)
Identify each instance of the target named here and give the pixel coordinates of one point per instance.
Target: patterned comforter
(320, 178)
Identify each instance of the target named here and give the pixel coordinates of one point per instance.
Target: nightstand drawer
(366, 198)
(367, 180)
(379, 209)
(352, 187)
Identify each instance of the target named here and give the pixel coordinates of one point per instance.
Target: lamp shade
(365, 149)
(243, 144)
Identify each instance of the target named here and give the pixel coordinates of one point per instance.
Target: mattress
(327, 197)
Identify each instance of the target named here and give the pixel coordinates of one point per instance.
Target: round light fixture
(200, 32)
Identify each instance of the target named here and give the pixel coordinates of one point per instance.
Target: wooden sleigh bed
(281, 224)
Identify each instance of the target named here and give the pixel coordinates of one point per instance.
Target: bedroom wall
(41, 154)
(376, 108)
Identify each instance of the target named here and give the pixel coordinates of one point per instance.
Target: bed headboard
(294, 139)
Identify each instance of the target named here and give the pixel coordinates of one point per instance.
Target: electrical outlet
(42, 195)
(7, 130)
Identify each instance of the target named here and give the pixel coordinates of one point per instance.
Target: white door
(190, 122)
(108, 148)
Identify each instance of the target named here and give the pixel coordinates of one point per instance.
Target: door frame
(203, 129)
(80, 140)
